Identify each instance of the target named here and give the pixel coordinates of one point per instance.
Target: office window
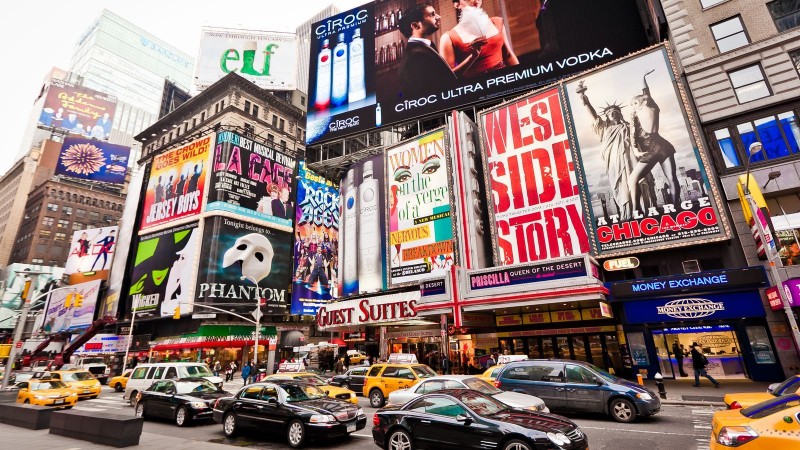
(302, 100)
(730, 34)
(44, 233)
(52, 207)
(255, 111)
(710, 3)
(63, 223)
(37, 261)
(67, 210)
(726, 146)
(80, 212)
(94, 216)
(202, 116)
(270, 138)
(749, 83)
(77, 226)
(785, 14)
(778, 133)
(282, 124)
(247, 106)
(249, 130)
(283, 144)
(274, 120)
(61, 236)
(795, 55)
(48, 221)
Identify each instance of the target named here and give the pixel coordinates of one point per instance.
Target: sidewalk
(681, 391)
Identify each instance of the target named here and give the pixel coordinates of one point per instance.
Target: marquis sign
(726, 305)
(690, 308)
(693, 282)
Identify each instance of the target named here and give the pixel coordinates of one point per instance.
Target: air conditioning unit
(691, 266)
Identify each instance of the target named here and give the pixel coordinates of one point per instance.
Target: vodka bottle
(356, 88)
(370, 275)
(378, 118)
(339, 82)
(323, 94)
(392, 22)
(350, 228)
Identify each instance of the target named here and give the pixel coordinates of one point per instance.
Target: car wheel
(399, 440)
(376, 398)
(229, 426)
(139, 411)
(133, 398)
(622, 410)
(27, 402)
(119, 388)
(345, 386)
(296, 434)
(516, 444)
(181, 417)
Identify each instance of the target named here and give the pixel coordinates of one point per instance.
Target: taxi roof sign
(403, 358)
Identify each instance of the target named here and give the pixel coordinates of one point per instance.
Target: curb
(675, 402)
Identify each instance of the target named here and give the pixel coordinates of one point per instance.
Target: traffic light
(26, 290)
(177, 313)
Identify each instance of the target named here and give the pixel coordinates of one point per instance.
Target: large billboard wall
(60, 317)
(316, 242)
(78, 110)
(531, 175)
(93, 160)
(91, 250)
(251, 179)
(643, 173)
(242, 263)
(176, 183)
(420, 209)
(268, 59)
(364, 72)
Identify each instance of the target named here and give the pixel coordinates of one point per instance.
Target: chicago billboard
(316, 242)
(534, 189)
(646, 186)
(251, 179)
(176, 183)
(91, 250)
(78, 110)
(162, 271)
(420, 211)
(374, 65)
(243, 265)
(93, 160)
(268, 59)
(61, 314)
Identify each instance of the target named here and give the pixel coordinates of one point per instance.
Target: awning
(217, 336)
(293, 338)
(338, 341)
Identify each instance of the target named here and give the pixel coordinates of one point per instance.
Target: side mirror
(327, 392)
(272, 401)
(771, 388)
(463, 418)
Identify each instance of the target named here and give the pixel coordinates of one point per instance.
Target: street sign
(257, 314)
(204, 316)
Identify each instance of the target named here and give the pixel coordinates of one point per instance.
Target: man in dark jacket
(422, 71)
(699, 363)
(678, 352)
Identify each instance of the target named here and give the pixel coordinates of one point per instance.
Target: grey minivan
(578, 386)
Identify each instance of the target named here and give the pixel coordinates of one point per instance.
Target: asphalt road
(674, 428)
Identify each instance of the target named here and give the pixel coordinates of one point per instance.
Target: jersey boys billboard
(372, 65)
(534, 188)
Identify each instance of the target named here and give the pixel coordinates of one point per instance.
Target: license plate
(86, 391)
(351, 428)
(58, 402)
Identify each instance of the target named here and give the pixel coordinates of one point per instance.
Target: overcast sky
(37, 35)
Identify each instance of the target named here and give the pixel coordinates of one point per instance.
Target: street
(675, 427)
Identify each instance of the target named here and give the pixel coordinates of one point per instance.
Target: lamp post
(256, 315)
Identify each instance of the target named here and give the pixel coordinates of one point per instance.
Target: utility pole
(26, 306)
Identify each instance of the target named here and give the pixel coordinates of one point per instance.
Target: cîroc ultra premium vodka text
(339, 82)
(370, 276)
(323, 93)
(356, 89)
(350, 229)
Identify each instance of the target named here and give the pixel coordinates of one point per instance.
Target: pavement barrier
(25, 416)
(109, 429)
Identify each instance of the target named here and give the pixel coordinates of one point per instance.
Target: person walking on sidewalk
(699, 363)
(246, 368)
(678, 352)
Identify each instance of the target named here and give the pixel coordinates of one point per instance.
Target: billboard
(268, 59)
(362, 234)
(251, 179)
(162, 271)
(371, 66)
(534, 189)
(12, 283)
(645, 186)
(421, 243)
(242, 264)
(176, 183)
(91, 250)
(93, 160)
(60, 317)
(316, 243)
(78, 110)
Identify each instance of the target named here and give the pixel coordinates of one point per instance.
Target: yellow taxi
(119, 382)
(356, 357)
(745, 399)
(385, 378)
(82, 381)
(768, 425)
(46, 392)
(491, 373)
(332, 391)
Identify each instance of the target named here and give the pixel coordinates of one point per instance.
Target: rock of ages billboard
(251, 179)
(176, 183)
(645, 180)
(420, 209)
(534, 188)
(163, 267)
(242, 264)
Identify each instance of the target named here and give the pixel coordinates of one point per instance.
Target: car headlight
(644, 396)
(40, 397)
(360, 412)
(198, 405)
(558, 438)
(536, 408)
(322, 418)
(96, 384)
(74, 394)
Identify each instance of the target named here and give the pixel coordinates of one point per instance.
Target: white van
(146, 374)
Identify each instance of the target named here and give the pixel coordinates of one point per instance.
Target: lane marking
(86, 408)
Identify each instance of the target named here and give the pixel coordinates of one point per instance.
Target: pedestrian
(246, 372)
(217, 368)
(699, 363)
(678, 351)
(445, 364)
(346, 361)
(491, 361)
(229, 372)
(337, 368)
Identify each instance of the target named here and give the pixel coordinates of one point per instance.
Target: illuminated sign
(621, 264)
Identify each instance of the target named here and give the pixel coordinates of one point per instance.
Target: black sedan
(299, 409)
(353, 379)
(466, 419)
(185, 400)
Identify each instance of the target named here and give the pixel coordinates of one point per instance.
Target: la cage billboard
(364, 72)
(93, 160)
(268, 59)
(78, 110)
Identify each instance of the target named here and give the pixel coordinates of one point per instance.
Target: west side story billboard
(644, 179)
(364, 72)
(93, 160)
(78, 110)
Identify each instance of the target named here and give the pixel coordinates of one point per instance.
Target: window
(710, 3)
(68, 210)
(253, 393)
(44, 233)
(785, 14)
(94, 215)
(390, 372)
(749, 83)
(247, 106)
(282, 124)
(139, 373)
(443, 406)
(63, 223)
(270, 138)
(283, 144)
(730, 34)
(303, 100)
(80, 212)
(48, 221)
(202, 116)
(37, 261)
(431, 386)
(171, 373)
(249, 130)
(729, 156)
(61, 237)
(579, 374)
(779, 134)
(52, 207)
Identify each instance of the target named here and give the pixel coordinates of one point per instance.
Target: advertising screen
(646, 184)
(421, 243)
(93, 160)
(243, 265)
(161, 276)
(268, 59)
(62, 314)
(316, 243)
(78, 110)
(534, 188)
(362, 234)
(12, 282)
(387, 62)
(176, 183)
(91, 250)
(251, 179)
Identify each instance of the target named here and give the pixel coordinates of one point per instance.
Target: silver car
(512, 399)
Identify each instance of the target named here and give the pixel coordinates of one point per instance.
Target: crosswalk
(108, 401)
(701, 420)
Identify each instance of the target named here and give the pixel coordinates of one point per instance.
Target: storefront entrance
(601, 349)
(718, 342)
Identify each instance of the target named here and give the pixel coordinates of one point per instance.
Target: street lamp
(256, 315)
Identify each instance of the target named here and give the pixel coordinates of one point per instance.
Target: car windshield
(93, 361)
(299, 393)
(198, 371)
(41, 385)
(423, 371)
(186, 387)
(313, 379)
(77, 376)
(482, 405)
(769, 407)
(476, 384)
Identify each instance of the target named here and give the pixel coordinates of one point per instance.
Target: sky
(38, 35)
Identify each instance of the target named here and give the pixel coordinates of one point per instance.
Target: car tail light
(735, 436)
(735, 405)
(497, 383)
(376, 420)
